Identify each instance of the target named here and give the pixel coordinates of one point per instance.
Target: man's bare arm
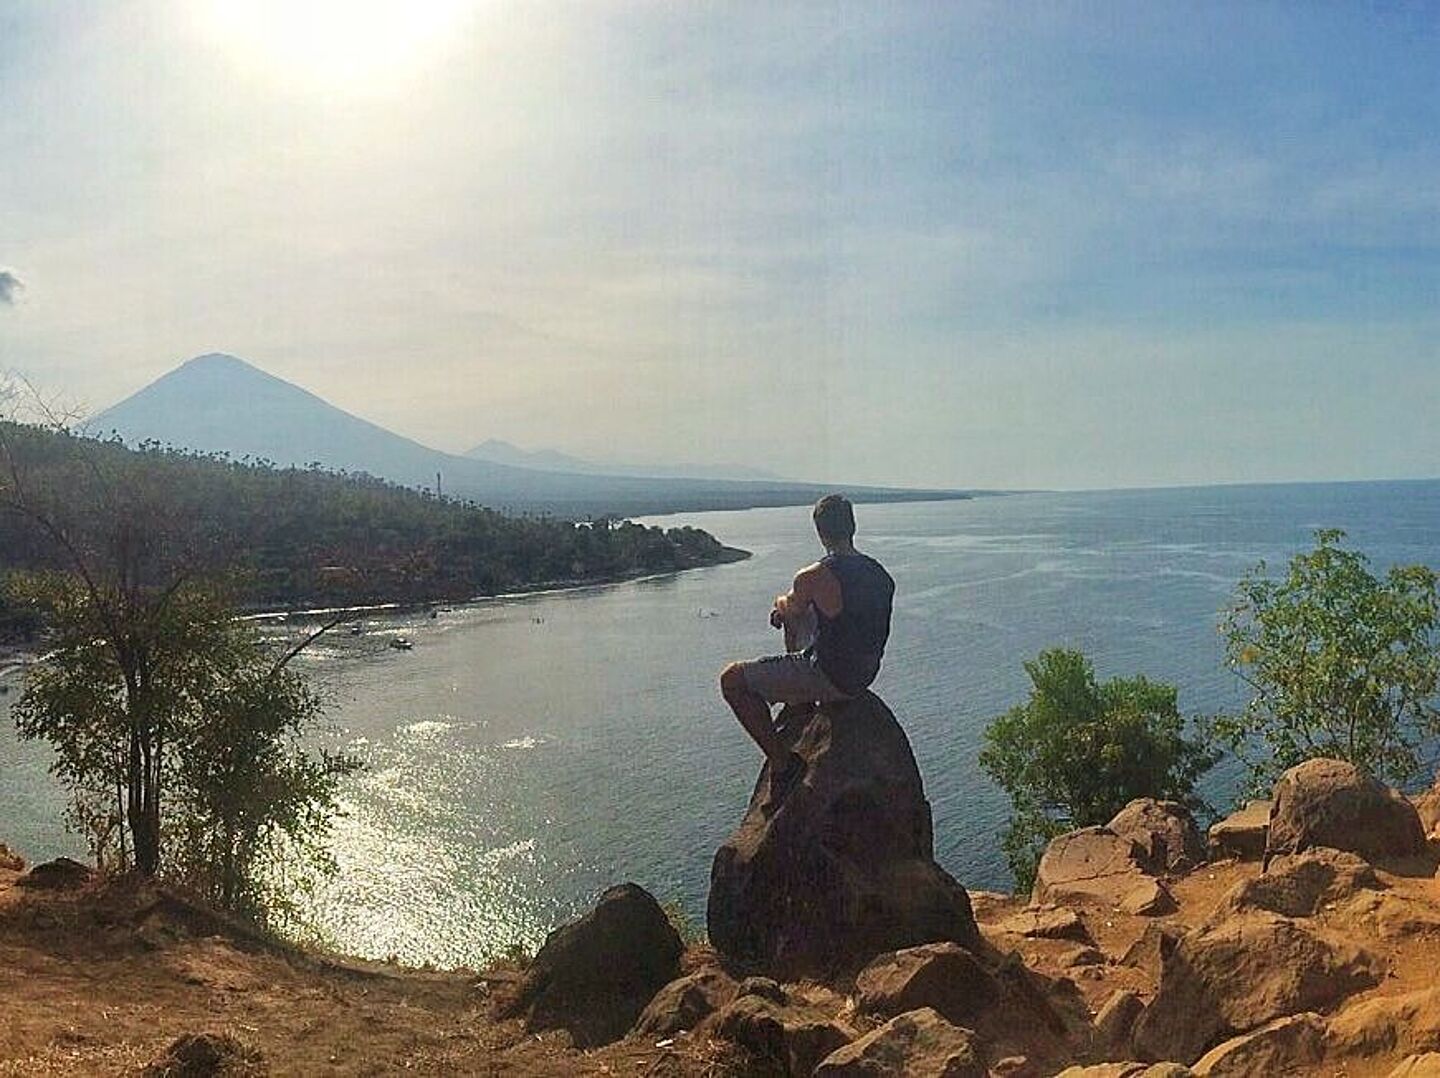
(804, 591)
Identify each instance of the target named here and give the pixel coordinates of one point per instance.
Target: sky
(957, 244)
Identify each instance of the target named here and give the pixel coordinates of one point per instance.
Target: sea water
(526, 753)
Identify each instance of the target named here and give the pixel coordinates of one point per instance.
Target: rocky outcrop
(1005, 1003)
(685, 1003)
(1292, 1045)
(844, 868)
(1165, 832)
(1301, 885)
(780, 1033)
(1094, 864)
(1127, 1070)
(918, 1044)
(10, 861)
(1333, 803)
(594, 976)
(1236, 976)
(1045, 922)
(1242, 834)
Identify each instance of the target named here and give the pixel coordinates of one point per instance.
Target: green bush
(1340, 663)
(1077, 751)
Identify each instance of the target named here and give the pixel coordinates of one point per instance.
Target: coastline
(14, 658)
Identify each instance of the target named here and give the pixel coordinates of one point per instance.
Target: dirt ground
(102, 979)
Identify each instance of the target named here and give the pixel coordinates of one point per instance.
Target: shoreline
(14, 658)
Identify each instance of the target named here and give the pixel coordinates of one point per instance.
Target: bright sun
(354, 45)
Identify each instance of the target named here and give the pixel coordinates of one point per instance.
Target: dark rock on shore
(844, 869)
(594, 976)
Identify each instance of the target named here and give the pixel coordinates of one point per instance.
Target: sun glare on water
(341, 45)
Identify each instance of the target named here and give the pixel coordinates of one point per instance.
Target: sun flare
(352, 45)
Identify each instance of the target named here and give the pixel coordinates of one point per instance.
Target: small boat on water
(401, 643)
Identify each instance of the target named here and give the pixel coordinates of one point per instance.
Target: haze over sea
(529, 752)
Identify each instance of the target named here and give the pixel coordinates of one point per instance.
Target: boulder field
(1299, 937)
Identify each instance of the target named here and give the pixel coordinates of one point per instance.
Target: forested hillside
(297, 537)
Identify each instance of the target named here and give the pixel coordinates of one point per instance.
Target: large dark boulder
(594, 976)
(1333, 803)
(844, 868)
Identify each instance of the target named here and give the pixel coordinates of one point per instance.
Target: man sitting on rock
(836, 619)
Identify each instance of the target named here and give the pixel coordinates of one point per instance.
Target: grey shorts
(790, 679)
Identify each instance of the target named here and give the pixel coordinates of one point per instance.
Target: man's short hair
(834, 518)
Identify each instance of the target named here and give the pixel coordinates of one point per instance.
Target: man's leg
(753, 713)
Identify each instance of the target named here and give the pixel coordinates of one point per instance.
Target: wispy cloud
(10, 286)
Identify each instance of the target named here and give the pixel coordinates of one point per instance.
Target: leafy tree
(1077, 751)
(1341, 663)
(176, 729)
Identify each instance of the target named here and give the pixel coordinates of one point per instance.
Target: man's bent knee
(732, 681)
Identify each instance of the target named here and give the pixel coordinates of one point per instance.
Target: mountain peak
(215, 359)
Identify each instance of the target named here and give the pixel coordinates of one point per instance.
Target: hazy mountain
(552, 460)
(218, 403)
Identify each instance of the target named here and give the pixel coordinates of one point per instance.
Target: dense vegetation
(294, 537)
(1078, 750)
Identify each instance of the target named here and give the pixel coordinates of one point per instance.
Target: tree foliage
(179, 734)
(297, 536)
(1077, 751)
(1340, 663)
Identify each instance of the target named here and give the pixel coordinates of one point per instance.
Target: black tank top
(848, 647)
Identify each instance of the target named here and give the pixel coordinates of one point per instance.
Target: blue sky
(971, 244)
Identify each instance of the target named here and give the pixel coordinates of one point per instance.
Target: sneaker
(793, 719)
(783, 782)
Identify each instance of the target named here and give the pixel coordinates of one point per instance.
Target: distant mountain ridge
(499, 451)
(220, 403)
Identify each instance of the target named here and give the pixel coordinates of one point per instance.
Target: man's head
(834, 521)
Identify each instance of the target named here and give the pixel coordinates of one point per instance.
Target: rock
(1242, 834)
(844, 869)
(1006, 1004)
(200, 1055)
(1427, 807)
(1127, 1070)
(1165, 832)
(988, 905)
(1092, 864)
(1148, 898)
(792, 1037)
(1045, 922)
(1301, 885)
(763, 987)
(684, 1003)
(1388, 1025)
(1014, 1067)
(1422, 1066)
(10, 861)
(942, 976)
(1333, 803)
(1290, 1045)
(1237, 975)
(1117, 1018)
(594, 976)
(61, 874)
(1149, 952)
(1395, 916)
(918, 1044)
